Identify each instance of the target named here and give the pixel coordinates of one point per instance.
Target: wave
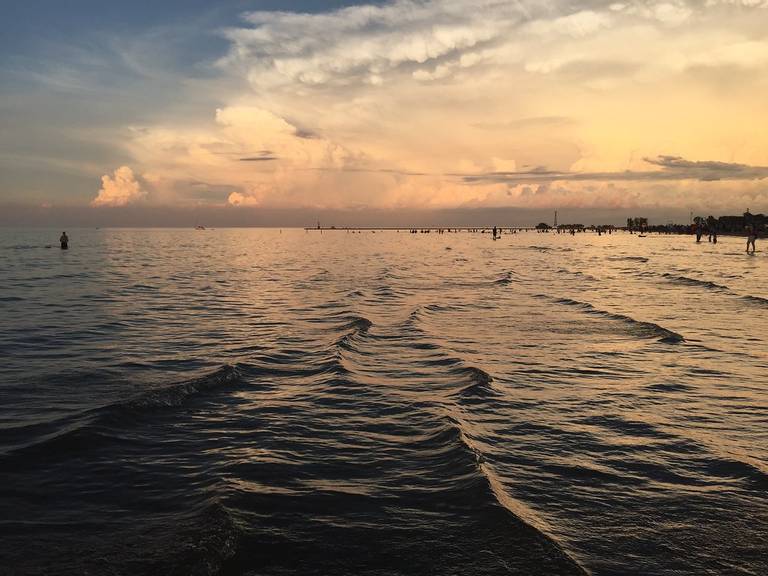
(625, 426)
(213, 542)
(386, 292)
(414, 317)
(668, 387)
(755, 300)
(177, 394)
(440, 307)
(738, 470)
(649, 329)
(687, 281)
(202, 540)
(480, 382)
(578, 273)
(93, 425)
(505, 279)
(11, 299)
(553, 559)
(356, 324)
(627, 258)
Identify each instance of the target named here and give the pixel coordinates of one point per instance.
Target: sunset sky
(394, 106)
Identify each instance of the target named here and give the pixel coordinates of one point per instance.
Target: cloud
(745, 3)
(240, 199)
(441, 103)
(708, 170)
(672, 168)
(119, 189)
(365, 44)
(431, 40)
(547, 122)
(260, 156)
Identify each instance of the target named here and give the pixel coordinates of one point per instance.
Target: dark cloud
(260, 156)
(671, 168)
(709, 169)
(305, 134)
(353, 169)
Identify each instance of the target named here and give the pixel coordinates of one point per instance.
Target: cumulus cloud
(240, 199)
(119, 189)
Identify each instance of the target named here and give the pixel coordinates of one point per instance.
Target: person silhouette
(751, 237)
(64, 241)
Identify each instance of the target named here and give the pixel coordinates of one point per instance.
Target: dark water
(256, 402)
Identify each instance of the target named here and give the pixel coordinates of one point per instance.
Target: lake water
(287, 402)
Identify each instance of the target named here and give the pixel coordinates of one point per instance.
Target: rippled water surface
(272, 403)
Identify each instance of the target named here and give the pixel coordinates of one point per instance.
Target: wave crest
(649, 329)
(687, 281)
(94, 425)
(480, 382)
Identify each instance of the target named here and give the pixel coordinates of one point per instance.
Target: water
(266, 402)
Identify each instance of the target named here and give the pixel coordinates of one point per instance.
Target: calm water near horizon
(250, 401)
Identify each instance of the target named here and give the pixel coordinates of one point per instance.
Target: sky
(285, 112)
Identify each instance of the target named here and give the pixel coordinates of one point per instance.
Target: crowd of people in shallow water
(751, 231)
(700, 230)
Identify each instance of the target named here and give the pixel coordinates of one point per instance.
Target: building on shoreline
(738, 224)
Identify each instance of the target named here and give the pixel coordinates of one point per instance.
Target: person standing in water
(64, 241)
(751, 237)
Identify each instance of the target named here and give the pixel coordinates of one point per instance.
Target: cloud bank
(457, 103)
(671, 168)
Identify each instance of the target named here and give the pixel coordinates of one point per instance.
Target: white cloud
(360, 43)
(745, 3)
(119, 189)
(671, 13)
(578, 24)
